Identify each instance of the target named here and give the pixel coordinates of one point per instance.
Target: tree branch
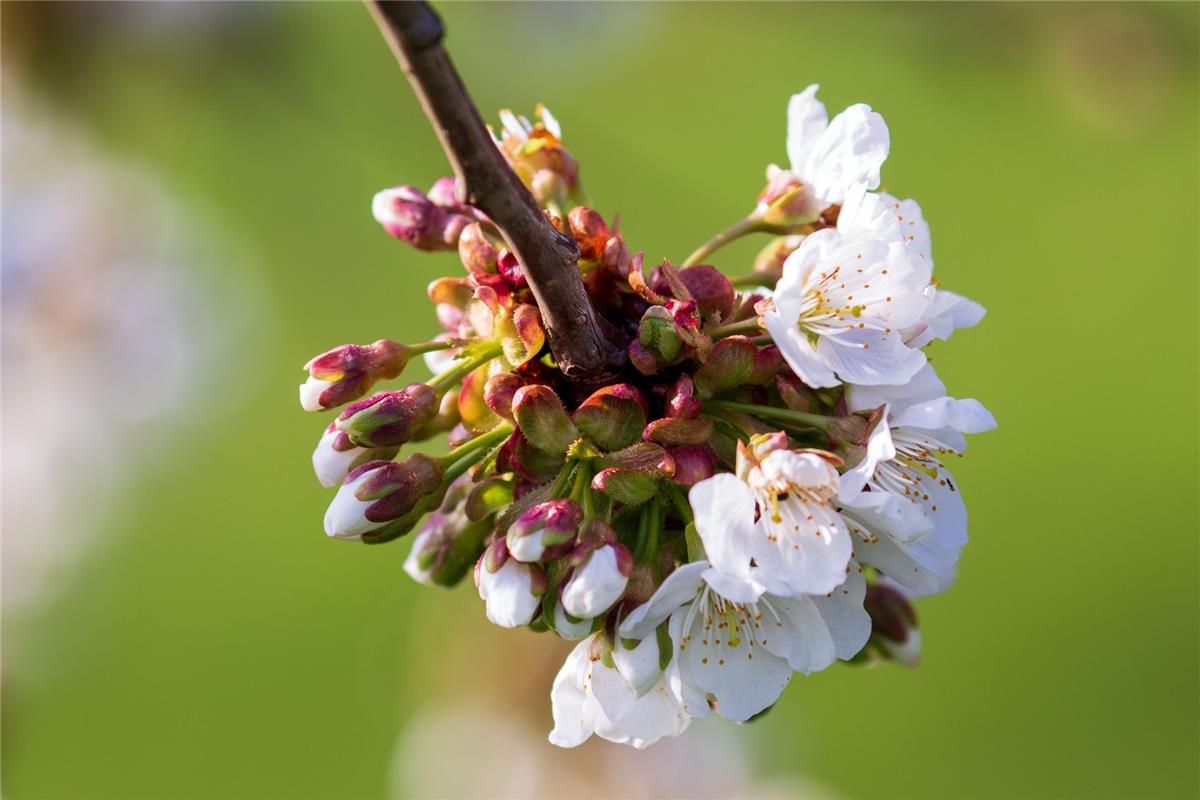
(486, 181)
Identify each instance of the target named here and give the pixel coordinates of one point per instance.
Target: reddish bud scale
(389, 418)
(396, 487)
(543, 420)
(499, 391)
(892, 616)
(693, 463)
(589, 231)
(681, 400)
(352, 369)
(672, 431)
(612, 417)
(703, 283)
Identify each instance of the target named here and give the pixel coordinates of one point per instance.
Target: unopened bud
(598, 582)
(711, 290)
(542, 419)
(533, 463)
(642, 359)
(786, 201)
(521, 333)
(626, 486)
(693, 463)
(487, 497)
(510, 269)
(446, 419)
(472, 409)
(407, 214)
(389, 418)
(346, 373)
(894, 632)
(378, 492)
(589, 231)
(510, 588)
(336, 455)
(681, 400)
(730, 363)
(543, 530)
(444, 193)
(479, 249)
(499, 391)
(612, 417)
(445, 548)
(674, 431)
(768, 264)
(659, 335)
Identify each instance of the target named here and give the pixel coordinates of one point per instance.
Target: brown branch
(486, 181)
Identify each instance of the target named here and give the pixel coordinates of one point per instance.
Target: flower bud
(445, 548)
(673, 431)
(479, 249)
(336, 455)
(598, 582)
(589, 231)
(510, 269)
(568, 628)
(659, 335)
(407, 214)
(704, 283)
(531, 463)
(487, 497)
(348, 372)
(894, 632)
(389, 418)
(693, 463)
(474, 412)
(613, 417)
(446, 419)
(796, 395)
(681, 400)
(510, 589)
(786, 201)
(444, 193)
(378, 492)
(768, 264)
(542, 419)
(730, 363)
(499, 391)
(642, 359)
(521, 333)
(543, 528)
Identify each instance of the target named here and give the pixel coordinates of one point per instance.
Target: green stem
(433, 346)
(682, 507)
(456, 373)
(583, 491)
(735, 231)
(562, 480)
(752, 280)
(751, 325)
(767, 412)
(494, 436)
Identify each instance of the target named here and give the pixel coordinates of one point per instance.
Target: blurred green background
(209, 641)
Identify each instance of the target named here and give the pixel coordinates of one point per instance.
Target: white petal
(639, 666)
(724, 513)
(626, 718)
(850, 151)
(807, 119)
(879, 448)
(804, 550)
(964, 416)
(893, 514)
(844, 615)
(739, 590)
(345, 518)
(595, 586)
(745, 679)
(411, 565)
(567, 629)
(925, 385)
(574, 716)
(527, 548)
(799, 353)
(507, 592)
(795, 630)
(681, 586)
(946, 313)
(310, 393)
(869, 356)
(332, 465)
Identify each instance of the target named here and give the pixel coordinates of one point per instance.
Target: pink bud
(693, 463)
(389, 418)
(407, 214)
(681, 400)
(498, 393)
(348, 372)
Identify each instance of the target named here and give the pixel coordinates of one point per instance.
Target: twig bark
(485, 180)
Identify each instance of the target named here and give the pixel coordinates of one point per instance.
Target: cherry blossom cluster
(761, 492)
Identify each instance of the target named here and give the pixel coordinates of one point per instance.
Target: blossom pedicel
(758, 490)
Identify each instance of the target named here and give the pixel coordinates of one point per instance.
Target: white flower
(346, 516)
(510, 590)
(912, 523)
(777, 512)
(833, 156)
(741, 647)
(844, 298)
(598, 582)
(591, 698)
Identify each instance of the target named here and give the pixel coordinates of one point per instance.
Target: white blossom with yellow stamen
(740, 646)
(900, 502)
(774, 524)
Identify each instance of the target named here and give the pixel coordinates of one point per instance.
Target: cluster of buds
(760, 492)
